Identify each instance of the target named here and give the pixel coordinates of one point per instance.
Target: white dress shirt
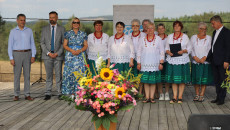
(216, 36)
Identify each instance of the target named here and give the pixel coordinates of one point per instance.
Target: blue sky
(85, 8)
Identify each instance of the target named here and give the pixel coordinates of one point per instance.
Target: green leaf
(106, 122)
(80, 107)
(94, 118)
(126, 107)
(112, 118)
(98, 122)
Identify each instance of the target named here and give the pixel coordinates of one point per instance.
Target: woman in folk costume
(201, 70)
(120, 49)
(150, 59)
(97, 45)
(178, 49)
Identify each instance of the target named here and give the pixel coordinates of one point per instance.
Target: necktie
(52, 40)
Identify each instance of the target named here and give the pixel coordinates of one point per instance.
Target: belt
(22, 50)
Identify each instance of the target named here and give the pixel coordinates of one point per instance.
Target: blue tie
(52, 40)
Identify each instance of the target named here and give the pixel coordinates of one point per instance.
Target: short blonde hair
(71, 24)
(151, 24)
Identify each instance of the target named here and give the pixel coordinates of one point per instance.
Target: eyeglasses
(75, 22)
(135, 25)
(203, 29)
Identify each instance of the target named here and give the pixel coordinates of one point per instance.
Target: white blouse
(150, 53)
(136, 41)
(185, 44)
(97, 46)
(120, 50)
(200, 47)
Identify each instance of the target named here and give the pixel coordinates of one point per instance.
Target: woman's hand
(139, 67)
(203, 59)
(160, 67)
(131, 64)
(197, 59)
(180, 52)
(169, 53)
(108, 65)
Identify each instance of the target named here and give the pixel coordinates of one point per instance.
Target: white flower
(99, 62)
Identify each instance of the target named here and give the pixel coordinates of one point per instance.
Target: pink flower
(111, 66)
(111, 112)
(104, 84)
(98, 110)
(128, 110)
(115, 72)
(102, 113)
(134, 102)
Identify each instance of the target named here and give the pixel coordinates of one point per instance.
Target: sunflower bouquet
(106, 93)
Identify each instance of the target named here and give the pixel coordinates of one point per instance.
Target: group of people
(162, 59)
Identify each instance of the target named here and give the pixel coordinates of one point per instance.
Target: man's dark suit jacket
(221, 50)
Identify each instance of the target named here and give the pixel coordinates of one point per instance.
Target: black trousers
(219, 77)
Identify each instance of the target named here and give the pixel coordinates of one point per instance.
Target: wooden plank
(87, 124)
(134, 124)
(180, 117)
(154, 117)
(124, 125)
(82, 120)
(172, 120)
(48, 121)
(74, 118)
(144, 121)
(15, 116)
(32, 114)
(120, 116)
(45, 111)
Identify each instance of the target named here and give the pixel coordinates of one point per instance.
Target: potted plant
(105, 94)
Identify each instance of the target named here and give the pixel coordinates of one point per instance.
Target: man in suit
(52, 38)
(22, 51)
(219, 56)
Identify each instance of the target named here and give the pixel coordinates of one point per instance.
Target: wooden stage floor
(58, 115)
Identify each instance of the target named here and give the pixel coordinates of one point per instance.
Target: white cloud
(2, 1)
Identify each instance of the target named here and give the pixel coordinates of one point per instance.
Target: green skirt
(151, 77)
(202, 74)
(92, 66)
(121, 66)
(177, 73)
(135, 71)
(163, 72)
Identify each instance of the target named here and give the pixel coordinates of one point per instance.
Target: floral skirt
(177, 73)
(202, 74)
(151, 77)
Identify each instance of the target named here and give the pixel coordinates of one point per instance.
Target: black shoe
(220, 103)
(214, 101)
(47, 97)
(59, 97)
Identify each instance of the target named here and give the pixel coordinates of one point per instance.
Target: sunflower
(120, 91)
(106, 74)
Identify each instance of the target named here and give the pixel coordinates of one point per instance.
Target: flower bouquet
(106, 93)
(226, 82)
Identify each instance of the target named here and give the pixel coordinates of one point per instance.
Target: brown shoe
(29, 98)
(16, 98)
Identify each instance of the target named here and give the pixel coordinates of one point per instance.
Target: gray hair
(216, 18)
(136, 20)
(146, 20)
(202, 24)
